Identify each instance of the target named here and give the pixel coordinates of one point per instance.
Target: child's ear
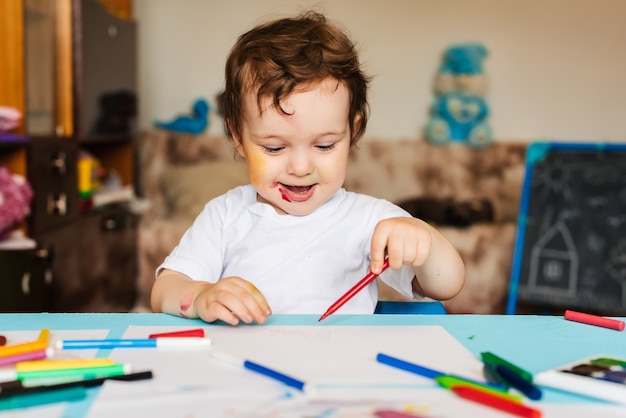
(238, 146)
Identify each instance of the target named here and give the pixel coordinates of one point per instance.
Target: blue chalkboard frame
(536, 152)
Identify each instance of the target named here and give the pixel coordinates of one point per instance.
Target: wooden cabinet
(70, 67)
(93, 262)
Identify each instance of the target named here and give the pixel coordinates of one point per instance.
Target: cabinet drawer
(52, 172)
(24, 286)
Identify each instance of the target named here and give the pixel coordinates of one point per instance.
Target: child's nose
(300, 164)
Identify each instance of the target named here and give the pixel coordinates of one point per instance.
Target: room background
(556, 69)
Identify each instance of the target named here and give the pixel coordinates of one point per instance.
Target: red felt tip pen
(187, 333)
(496, 402)
(598, 321)
(353, 291)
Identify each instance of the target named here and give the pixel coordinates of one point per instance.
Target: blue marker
(265, 371)
(425, 371)
(171, 342)
(409, 367)
(518, 382)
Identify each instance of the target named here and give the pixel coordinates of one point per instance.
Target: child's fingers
(216, 311)
(378, 247)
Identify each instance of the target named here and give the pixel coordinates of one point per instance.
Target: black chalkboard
(570, 250)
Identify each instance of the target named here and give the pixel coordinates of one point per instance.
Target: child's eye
(325, 147)
(273, 150)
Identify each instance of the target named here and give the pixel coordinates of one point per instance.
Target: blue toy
(460, 112)
(194, 124)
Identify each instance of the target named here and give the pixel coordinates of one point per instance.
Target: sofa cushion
(187, 188)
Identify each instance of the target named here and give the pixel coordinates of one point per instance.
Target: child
(294, 240)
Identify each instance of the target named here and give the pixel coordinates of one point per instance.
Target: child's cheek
(256, 168)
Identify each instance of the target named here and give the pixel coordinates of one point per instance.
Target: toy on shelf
(15, 197)
(10, 118)
(194, 124)
(460, 111)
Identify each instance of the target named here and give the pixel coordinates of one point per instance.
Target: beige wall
(557, 68)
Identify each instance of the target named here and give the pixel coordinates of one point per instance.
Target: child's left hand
(439, 269)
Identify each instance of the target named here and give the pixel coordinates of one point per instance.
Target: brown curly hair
(276, 57)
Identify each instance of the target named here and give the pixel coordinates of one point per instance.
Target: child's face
(297, 161)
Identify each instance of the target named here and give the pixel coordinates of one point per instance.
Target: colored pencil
(370, 277)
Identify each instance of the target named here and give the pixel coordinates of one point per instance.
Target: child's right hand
(231, 299)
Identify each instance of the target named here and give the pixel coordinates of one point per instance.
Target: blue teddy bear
(460, 111)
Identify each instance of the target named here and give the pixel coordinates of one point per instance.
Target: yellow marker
(44, 335)
(39, 365)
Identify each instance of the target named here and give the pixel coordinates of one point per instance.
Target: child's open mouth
(296, 193)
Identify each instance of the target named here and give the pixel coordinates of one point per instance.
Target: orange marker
(9, 350)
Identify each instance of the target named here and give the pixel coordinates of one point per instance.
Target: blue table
(536, 342)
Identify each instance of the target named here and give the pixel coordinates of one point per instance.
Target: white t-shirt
(301, 264)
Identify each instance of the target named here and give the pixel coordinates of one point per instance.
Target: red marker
(353, 291)
(598, 321)
(187, 333)
(496, 402)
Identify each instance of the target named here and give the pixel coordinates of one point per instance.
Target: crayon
(599, 321)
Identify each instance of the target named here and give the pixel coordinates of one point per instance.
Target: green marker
(605, 361)
(42, 398)
(448, 382)
(83, 372)
(492, 359)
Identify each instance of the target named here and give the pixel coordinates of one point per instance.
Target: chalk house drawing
(554, 263)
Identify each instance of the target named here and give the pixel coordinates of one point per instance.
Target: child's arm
(231, 299)
(439, 269)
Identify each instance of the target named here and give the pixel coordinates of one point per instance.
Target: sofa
(179, 173)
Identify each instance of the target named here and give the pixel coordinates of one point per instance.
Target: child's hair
(276, 57)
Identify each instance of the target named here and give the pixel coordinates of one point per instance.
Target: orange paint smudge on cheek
(256, 167)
